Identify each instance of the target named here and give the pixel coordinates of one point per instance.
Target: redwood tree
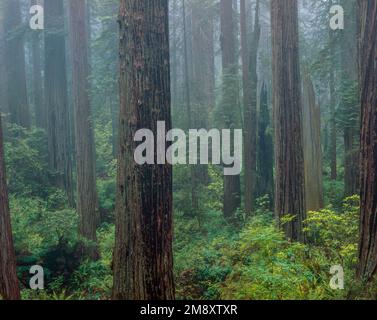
(312, 147)
(9, 288)
(289, 182)
(40, 112)
(3, 70)
(56, 100)
(250, 88)
(228, 105)
(15, 64)
(368, 160)
(85, 149)
(143, 259)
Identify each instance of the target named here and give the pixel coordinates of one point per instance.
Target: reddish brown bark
(85, 149)
(289, 182)
(368, 160)
(9, 288)
(143, 258)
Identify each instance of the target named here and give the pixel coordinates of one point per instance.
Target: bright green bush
(218, 262)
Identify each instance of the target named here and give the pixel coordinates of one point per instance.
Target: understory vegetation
(247, 258)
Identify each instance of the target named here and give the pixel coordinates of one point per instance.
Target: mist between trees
(274, 105)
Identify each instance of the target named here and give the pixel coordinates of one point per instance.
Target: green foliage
(46, 226)
(26, 160)
(334, 193)
(258, 263)
(106, 167)
(336, 234)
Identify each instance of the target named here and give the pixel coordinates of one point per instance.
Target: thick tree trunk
(250, 88)
(312, 148)
(368, 160)
(143, 258)
(58, 129)
(85, 149)
(9, 288)
(232, 189)
(289, 162)
(15, 63)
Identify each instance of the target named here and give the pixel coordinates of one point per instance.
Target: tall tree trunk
(250, 87)
(15, 63)
(333, 151)
(40, 112)
(349, 102)
(174, 52)
(190, 112)
(202, 70)
(289, 162)
(312, 147)
(85, 149)
(368, 160)
(232, 192)
(265, 159)
(143, 258)
(56, 100)
(9, 288)
(4, 107)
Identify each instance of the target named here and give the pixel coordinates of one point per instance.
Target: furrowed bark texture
(9, 288)
(58, 131)
(85, 149)
(289, 183)
(368, 159)
(143, 259)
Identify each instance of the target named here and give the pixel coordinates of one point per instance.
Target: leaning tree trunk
(56, 100)
(143, 258)
(85, 149)
(232, 192)
(368, 160)
(312, 147)
(15, 63)
(9, 288)
(289, 183)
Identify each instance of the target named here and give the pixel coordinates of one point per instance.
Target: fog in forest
(188, 149)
